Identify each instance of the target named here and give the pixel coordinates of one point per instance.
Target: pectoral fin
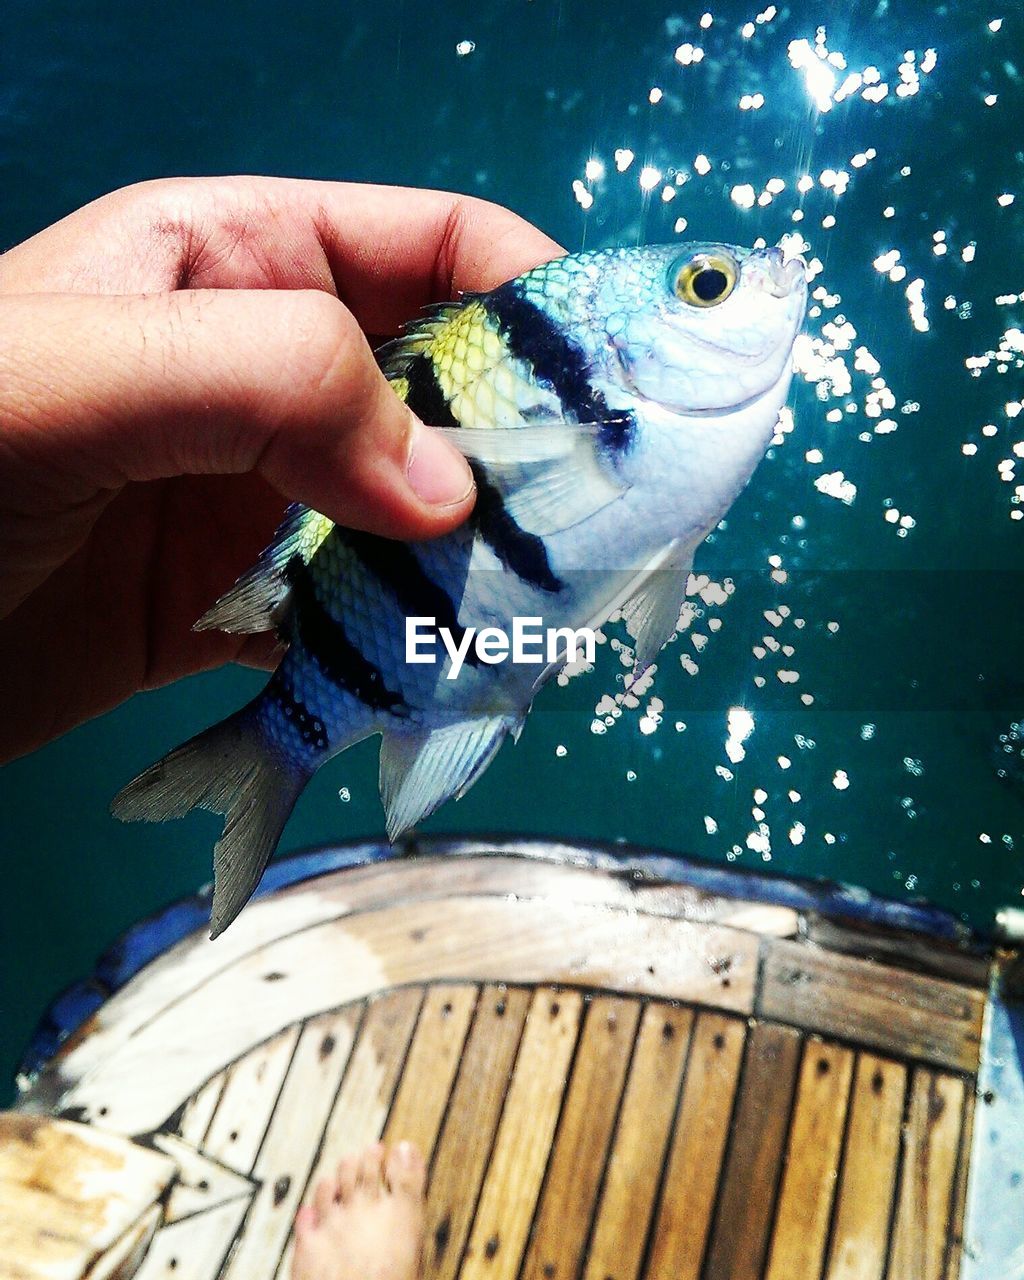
(549, 474)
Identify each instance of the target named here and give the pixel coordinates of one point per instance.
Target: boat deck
(611, 1079)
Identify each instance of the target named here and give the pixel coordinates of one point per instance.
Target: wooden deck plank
(812, 1162)
(906, 950)
(924, 1200)
(522, 1144)
(201, 1183)
(194, 1248)
(199, 1110)
(463, 1150)
(478, 939)
(746, 1201)
(284, 1161)
(248, 1100)
(429, 1073)
(634, 1167)
(860, 1233)
(694, 1161)
(365, 1097)
(895, 1011)
(122, 1261)
(184, 968)
(581, 1143)
(361, 1104)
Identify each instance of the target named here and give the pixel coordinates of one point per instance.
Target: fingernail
(437, 472)
(405, 1152)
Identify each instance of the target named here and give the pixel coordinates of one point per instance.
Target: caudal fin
(229, 769)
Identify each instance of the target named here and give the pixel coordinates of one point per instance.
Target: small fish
(612, 405)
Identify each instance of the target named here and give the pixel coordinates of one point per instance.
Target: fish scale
(611, 410)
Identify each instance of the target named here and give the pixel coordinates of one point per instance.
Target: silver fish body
(612, 405)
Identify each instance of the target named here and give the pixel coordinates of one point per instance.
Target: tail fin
(229, 769)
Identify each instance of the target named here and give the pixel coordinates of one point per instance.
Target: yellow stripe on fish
(456, 368)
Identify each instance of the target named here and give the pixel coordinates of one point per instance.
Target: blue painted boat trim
(994, 1221)
(155, 934)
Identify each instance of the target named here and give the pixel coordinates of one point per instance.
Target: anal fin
(419, 771)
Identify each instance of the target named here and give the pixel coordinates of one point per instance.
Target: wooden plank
(284, 1161)
(641, 1136)
(429, 1073)
(901, 1013)
(470, 939)
(201, 1183)
(924, 1200)
(812, 1162)
(860, 1233)
(199, 1111)
(694, 1162)
(248, 1100)
(361, 1105)
(581, 1145)
(907, 950)
(194, 1248)
(746, 1201)
(957, 1227)
(465, 1144)
(122, 1261)
(364, 1099)
(523, 1141)
(69, 1193)
(185, 968)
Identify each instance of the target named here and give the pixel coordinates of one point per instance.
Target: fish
(612, 404)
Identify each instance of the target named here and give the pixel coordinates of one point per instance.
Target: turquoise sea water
(842, 701)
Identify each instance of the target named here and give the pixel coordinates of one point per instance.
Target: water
(846, 697)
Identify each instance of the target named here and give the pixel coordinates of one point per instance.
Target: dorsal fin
(259, 599)
(395, 356)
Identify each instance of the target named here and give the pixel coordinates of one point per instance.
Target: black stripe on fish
(524, 553)
(324, 639)
(396, 567)
(311, 728)
(534, 337)
(425, 397)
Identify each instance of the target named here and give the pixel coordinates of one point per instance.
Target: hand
(178, 360)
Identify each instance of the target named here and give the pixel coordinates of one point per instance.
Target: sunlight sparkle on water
(911, 267)
(740, 725)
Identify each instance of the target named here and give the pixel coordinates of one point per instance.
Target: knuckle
(326, 344)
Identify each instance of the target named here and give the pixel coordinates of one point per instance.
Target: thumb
(97, 391)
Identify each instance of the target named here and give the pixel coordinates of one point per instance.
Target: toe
(323, 1197)
(405, 1171)
(306, 1221)
(370, 1178)
(348, 1173)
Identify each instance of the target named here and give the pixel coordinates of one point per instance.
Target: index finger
(392, 250)
(386, 251)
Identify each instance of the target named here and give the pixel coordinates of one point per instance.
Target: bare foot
(367, 1222)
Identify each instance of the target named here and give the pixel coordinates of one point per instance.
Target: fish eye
(705, 279)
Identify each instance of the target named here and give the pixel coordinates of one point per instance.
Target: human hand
(178, 360)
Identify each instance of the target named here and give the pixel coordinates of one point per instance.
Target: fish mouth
(782, 270)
